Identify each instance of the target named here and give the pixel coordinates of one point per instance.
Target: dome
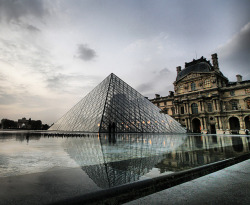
(195, 66)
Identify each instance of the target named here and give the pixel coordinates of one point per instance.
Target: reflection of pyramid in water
(127, 160)
(115, 105)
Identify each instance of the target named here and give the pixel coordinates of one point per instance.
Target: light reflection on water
(111, 160)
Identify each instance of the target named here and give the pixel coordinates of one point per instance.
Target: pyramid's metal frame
(114, 105)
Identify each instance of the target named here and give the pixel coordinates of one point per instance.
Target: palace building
(204, 101)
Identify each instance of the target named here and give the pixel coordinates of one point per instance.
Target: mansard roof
(199, 65)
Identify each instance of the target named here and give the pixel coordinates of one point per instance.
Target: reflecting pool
(45, 167)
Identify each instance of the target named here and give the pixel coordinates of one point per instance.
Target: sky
(53, 53)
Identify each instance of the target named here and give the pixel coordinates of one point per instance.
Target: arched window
(194, 108)
(193, 86)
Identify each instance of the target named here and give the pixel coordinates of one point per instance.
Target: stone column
(190, 124)
(200, 107)
(189, 108)
(242, 123)
(242, 126)
(227, 124)
(214, 106)
(218, 105)
(187, 125)
(221, 125)
(202, 124)
(205, 123)
(217, 125)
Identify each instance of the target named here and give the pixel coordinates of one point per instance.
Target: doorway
(213, 129)
(247, 122)
(196, 125)
(234, 125)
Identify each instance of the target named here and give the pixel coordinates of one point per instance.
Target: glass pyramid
(114, 106)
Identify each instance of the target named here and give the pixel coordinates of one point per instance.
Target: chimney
(178, 69)
(171, 93)
(215, 61)
(157, 96)
(239, 78)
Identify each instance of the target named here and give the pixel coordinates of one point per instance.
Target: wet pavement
(228, 186)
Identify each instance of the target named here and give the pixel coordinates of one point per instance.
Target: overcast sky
(52, 53)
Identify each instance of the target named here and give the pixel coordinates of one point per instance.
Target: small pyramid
(114, 106)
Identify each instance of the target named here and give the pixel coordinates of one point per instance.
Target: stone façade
(205, 101)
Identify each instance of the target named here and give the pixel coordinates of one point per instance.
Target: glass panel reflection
(116, 159)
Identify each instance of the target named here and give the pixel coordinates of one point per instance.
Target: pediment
(193, 76)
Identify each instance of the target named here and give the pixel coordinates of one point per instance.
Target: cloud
(14, 10)
(71, 83)
(161, 82)
(32, 28)
(144, 87)
(235, 53)
(85, 53)
(164, 71)
(6, 99)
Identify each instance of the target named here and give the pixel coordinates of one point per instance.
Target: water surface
(58, 166)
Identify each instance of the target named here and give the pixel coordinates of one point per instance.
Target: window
(181, 88)
(207, 84)
(173, 112)
(232, 93)
(234, 106)
(182, 110)
(194, 108)
(165, 103)
(209, 107)
(165, 110)
(193, 86)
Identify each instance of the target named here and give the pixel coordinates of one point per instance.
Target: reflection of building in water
(200, 150)
(20, 136)
(111, 164)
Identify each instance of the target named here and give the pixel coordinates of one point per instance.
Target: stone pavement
(227, 186)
